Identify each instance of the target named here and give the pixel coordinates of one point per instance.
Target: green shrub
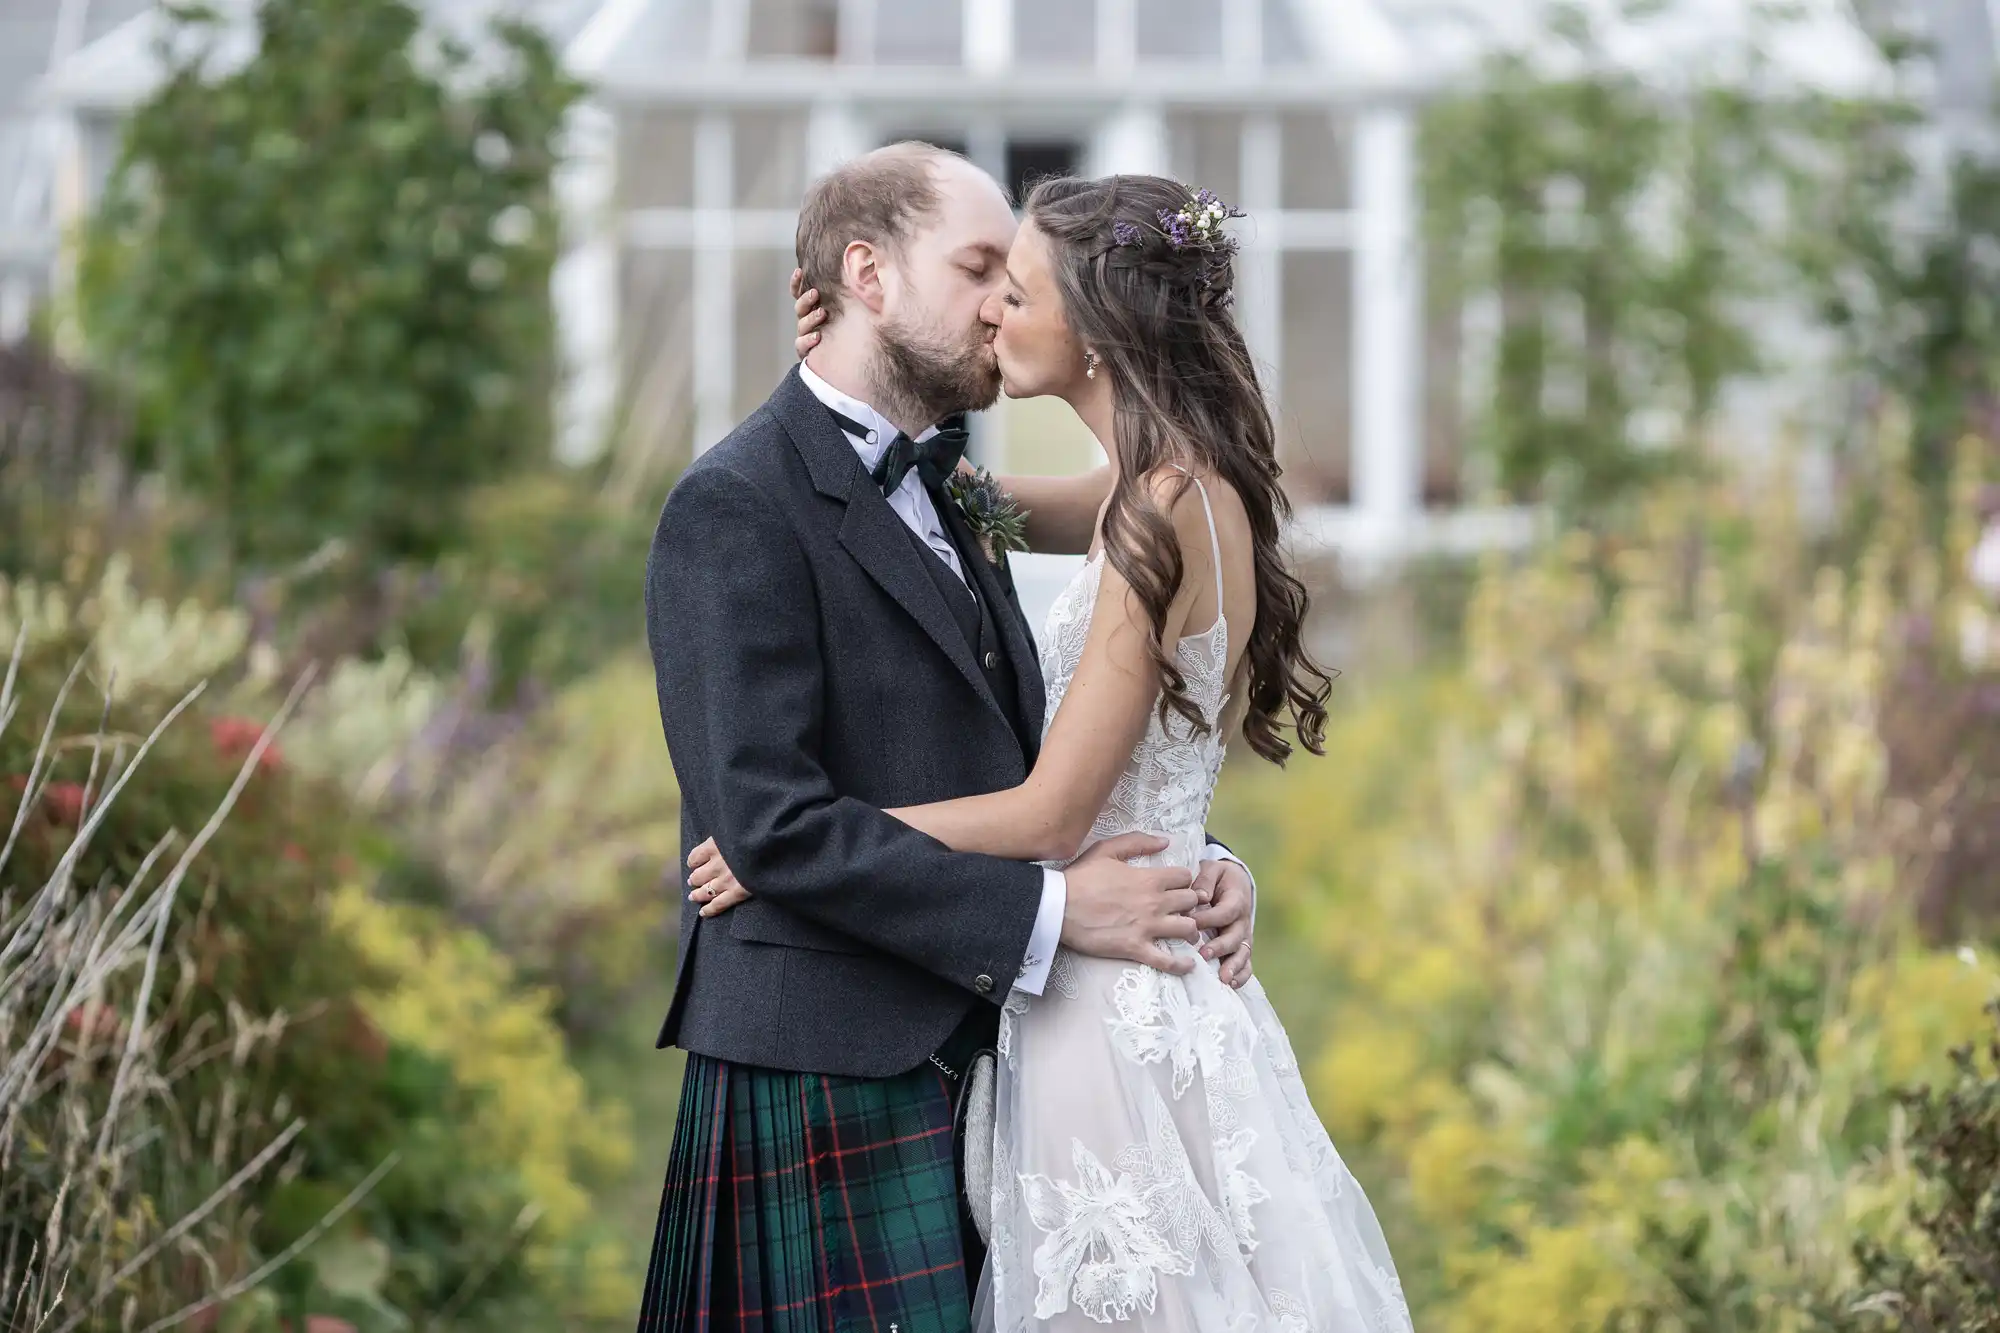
(1946, 1278)
(1619, 913)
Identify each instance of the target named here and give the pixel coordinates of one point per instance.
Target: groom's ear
(861, 275)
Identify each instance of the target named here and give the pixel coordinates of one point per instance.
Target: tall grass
(122, 1199)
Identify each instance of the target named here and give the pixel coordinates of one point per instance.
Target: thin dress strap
(1214, 543)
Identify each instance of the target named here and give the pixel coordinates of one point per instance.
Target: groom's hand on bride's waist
(1115, 910)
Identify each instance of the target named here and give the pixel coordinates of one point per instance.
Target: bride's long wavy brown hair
(1184, 392)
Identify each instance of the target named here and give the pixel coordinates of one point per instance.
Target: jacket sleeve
(738, 663)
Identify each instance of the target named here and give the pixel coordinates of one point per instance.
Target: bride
(1155, 1160)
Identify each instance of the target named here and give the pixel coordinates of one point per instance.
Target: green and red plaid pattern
(806, 1203)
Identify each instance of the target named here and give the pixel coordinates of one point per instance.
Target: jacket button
(983, 984)
(992, 659)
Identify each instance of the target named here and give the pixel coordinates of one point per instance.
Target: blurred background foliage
(1621, 1035)
(1630, 930)
(321, 279)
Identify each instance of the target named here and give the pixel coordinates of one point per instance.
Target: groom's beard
(926, 379)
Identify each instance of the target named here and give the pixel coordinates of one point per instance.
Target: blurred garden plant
(1622, 920)
(1948, 1279)
(1629, 238)
(333, 325)
(239, 1090)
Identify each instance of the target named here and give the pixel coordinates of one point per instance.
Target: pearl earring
(1090, 365)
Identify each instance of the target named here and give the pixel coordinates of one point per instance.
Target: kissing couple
(964, 985)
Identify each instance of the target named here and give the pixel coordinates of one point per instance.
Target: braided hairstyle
(1152, 295)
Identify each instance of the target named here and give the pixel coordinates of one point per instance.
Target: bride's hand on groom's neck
(811, 315)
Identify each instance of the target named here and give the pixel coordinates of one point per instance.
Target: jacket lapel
(1014, 636)
(870, 530)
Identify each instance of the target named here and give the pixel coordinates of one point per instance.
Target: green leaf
(351, 1264)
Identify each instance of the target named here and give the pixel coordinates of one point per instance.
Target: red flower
(235, 737)
(294, 853)
(64, 802)
(92, 1019)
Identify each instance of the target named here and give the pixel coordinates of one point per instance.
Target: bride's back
(1169, 780)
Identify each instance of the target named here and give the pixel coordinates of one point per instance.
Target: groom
(830, 640)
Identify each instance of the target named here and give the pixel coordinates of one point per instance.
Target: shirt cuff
(1215, 851)
(1047, 935)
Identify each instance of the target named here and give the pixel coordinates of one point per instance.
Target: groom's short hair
(879, 197)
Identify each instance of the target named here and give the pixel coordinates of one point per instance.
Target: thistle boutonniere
(990, 512)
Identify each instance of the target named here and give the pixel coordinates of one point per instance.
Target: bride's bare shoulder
(1179, 493)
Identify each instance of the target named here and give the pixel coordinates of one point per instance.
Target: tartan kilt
(809, 1203)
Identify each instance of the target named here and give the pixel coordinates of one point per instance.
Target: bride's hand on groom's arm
(1114, 909)
(1226, 893)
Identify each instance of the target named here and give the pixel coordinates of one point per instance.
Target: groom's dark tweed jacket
(810, 675)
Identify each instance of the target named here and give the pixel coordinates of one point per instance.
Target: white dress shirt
(912, 504)
(910, 500)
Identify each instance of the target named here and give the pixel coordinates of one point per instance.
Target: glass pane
(950, 143)
(1315, 161)
(665, 34)
(1055, 32)
(656, 345)
(103, 141)
(770, 159)
(102, 17)
(1206, 151)
(1313, 390)
(1284, 42)
(765, 326)
(1179, 29)
(798, 29)
(919, 32)
(1030, 162)
(656, 159)
(1444, 403)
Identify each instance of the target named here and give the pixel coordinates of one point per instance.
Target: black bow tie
(934, 458)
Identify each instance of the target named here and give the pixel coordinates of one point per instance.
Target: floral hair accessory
(1198, 223)
(1196, 227)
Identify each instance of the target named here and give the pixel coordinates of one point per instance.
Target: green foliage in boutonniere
(989, 511)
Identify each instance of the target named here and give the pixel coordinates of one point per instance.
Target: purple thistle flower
(1125, 233)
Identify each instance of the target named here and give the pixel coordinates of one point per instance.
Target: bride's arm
(1061, 511)
(1102, 716)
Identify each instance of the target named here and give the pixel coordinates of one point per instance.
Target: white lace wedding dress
(1156, 1161)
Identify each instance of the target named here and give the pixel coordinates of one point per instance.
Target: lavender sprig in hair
(1196, 225)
